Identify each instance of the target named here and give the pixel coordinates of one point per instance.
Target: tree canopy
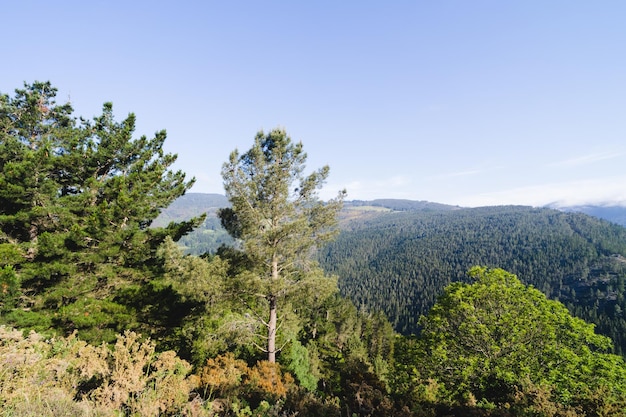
(77, 198)
(401, 262)
(494, 338)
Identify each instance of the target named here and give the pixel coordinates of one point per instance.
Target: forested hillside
(398, 255)
(401, 262)
(209, 235)
(103, 314)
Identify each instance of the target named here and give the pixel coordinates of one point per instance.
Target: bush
(66, 376)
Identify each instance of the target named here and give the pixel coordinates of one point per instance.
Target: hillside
(190, 205)
(208, 236)
(401, 262)
(615, 214)
(398, 255)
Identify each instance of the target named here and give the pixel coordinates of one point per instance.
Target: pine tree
(277, 215)
(77, 198)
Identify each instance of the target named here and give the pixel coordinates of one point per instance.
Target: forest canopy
(496, 337)
(400, 262)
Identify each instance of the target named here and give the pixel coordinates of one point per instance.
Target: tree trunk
(272, 322)
(271, 331)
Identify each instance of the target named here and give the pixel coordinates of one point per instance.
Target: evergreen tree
(277, 215)
(77, 198)
(32, 133)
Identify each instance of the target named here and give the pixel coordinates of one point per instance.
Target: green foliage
(487, 341)
(400, 262)
(9, 288)
(275, 210)
(337, 334)
(76, 200)
(277, 215)
(34, 320)
(206, 238)
(209, 319)
(94, 320)
(296, 360)
(10, 254)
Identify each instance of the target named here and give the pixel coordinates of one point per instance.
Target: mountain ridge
(194, 204)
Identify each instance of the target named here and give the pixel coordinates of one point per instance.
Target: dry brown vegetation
(66, 376)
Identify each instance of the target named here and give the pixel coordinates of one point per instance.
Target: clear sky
(465, 102)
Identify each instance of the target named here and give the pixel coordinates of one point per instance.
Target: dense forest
(104, 313)
(400, 262)
(397, 256)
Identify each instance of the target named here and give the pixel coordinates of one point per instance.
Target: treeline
(400, 262)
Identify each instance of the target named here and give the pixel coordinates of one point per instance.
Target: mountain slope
(398, 255)
(401, 262)
(207, 237)
(615, 214)
(190, 205)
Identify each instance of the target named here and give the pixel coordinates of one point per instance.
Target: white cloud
(397, 186)
(598, 191)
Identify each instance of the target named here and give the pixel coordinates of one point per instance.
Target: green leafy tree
(489, 340)
(77, 198)
(276, 213)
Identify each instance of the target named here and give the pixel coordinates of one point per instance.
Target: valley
(396, 256)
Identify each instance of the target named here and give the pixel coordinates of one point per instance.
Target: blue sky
(460, 102)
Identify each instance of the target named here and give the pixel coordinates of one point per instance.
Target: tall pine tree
(277, 215)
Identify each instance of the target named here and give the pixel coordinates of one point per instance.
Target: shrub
(66, 376)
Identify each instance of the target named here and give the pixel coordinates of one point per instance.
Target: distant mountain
(210, 235)
(194, 204)
(358, 213)
(615, 214)
(190, 205)
(401, 205)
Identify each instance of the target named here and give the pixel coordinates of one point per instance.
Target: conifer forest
(279, 303)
